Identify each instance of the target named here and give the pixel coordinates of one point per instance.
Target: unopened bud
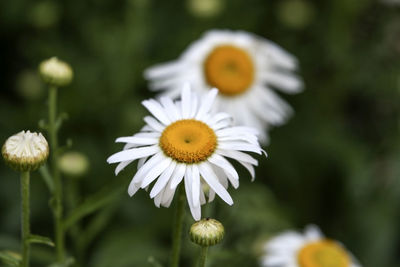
(207, 232)
(74, 164)
(25, 151)
(56, 72)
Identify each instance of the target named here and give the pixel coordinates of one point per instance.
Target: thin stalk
(25, 224)
(178, 227)
(57, 193)
(203, 256)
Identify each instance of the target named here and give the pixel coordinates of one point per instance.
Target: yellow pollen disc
(188, 141)
(230, 69)
(324, 253)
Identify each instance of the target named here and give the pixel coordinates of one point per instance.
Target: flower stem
(57, 193)
(203, 256)
(25, 228)
(178, 227)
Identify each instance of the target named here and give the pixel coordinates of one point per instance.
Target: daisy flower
(244, 67)
(311, 249)
(185, 142)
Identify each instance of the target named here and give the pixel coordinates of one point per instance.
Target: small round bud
(25, 151)
(206, 232)
(205, 8)
(56, 72)
(73, 164)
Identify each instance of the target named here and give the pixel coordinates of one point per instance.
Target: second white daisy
(185, 142)
(244, 67)
(311, 249)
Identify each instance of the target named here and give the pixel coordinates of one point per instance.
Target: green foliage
(40, 240)
(10, 258)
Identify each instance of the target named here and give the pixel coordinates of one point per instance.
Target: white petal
(154, 124)
(224, 176)
(313, 233)
(155, 172)
(219, 117)
(211, 195)
(235, 130)
(147, 135)
(121, 166)
(206, 103)
(285, 82)
(142, 172)
(133, 153)
(132, 189)
(195, 185)
(141, 162)
(173, 112)
(279, 56)
(157, 110)
(186, 101)
(163, 180)
(202, 196)
(137, 140)
(196, 212)
(240, 146)
(178, 174)
(237, 155)
(221, 124)
(168, 195)
(164, 69)
(250, 168)
(212, 180)
(224, 164)
(194, 105)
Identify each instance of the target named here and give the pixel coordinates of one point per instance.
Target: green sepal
(37, 239)
(10, 258)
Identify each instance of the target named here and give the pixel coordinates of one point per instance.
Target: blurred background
(336, 163)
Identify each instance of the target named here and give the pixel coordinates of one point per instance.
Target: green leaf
(68, 262)
(154, 262)
(40, 240)
(10, 258)
(103, 197)
(44, 172)
(61, 118)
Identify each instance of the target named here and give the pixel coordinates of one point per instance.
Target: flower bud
(56, 72)
(206, 232)
(25, 151)
(205, 8)
(73, 164)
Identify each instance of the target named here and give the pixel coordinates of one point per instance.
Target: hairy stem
(25, 224)
(203, 256)
(57, 193)
(178, 227)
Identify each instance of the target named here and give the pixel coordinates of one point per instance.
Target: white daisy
(311, 249)
(185, 141)
(244, 67)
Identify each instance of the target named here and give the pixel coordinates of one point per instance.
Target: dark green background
(336, 163)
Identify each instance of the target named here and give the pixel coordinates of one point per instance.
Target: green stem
(25, 228)
(178, 226)
(57, 193)
(203, 256)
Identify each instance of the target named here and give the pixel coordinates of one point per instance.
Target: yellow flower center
(324, 253)
(230, 69)
(188, 141)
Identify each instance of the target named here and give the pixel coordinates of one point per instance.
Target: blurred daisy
(184, 141)
(311, 249)
(244, 67)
